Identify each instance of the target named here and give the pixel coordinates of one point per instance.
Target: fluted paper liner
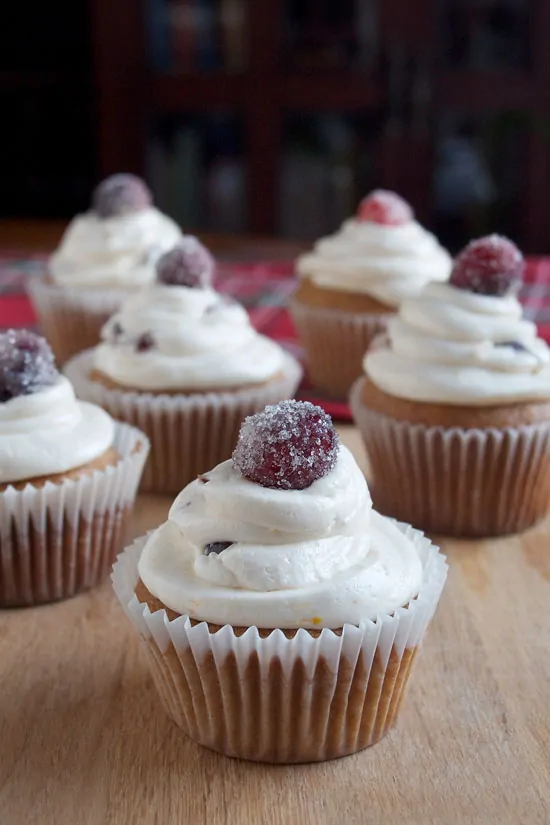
(59, 539)
(71, 318)
(335, 343)
(456, 482)
(189, 434)
(286, 697)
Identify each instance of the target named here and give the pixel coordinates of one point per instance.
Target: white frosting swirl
(201, 341)
(49, 432)
(389, 263)
(121, 251)
(319, 557)
(452, 346)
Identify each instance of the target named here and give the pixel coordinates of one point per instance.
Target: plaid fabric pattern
(264, 288)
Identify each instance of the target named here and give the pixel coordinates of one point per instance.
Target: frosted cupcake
(184, 364)
(68, 478)
(104, 255)
(281, 614)
(354, 280)
(455, 405)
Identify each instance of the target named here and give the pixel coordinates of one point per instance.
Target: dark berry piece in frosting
(121, 195)
(145, 342)
(385, 208)
(117, 330)
(216, 547)
(513, 345)
(492, 265)
(288, 446)
(27, 364)
(187, 264)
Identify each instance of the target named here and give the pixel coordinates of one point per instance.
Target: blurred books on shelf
(322, 35)
(186, 36)
(196, 168)
(326, 168)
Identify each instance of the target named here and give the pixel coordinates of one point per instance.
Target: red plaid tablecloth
(262, 287)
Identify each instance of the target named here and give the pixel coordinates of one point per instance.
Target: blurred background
(277, 116)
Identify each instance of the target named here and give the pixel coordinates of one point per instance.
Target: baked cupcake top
(466, 342)
(118, 242)
(44, 430)
(180, 334)
(381, 252)
(281, 535)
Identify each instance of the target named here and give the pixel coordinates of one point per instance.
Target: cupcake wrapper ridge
(335, 343)
(60, 539)
(309, 697)
(189, 434)
(71, 318)
(467, 483)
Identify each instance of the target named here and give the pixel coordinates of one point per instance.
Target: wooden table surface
(43, 236)
(84, 739)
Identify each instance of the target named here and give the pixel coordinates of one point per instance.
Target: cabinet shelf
(345, 91)
(491, 89)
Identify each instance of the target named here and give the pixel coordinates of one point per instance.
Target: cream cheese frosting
(313, 558)
(452, 346)
(389, 263)
(201, 340)
(119, 251)
(49, 432)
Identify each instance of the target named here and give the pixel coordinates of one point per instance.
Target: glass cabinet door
(487, 34)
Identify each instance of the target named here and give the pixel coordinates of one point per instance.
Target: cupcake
(281, 615)
(455, 404)
(354, 280)
(104, 255)
(184, 364)
(68, 478)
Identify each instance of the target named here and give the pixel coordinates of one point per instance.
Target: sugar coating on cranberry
(121, 195)
(187, 264)
(492, 265)
(27, 364)
(288, 446)
(386, 208)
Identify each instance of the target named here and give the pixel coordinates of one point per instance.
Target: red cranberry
(26, 364)
(489, 266)
(121, 195)
(385, 208)
(287, 446)
(188, 264)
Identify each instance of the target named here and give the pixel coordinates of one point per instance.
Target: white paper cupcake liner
(59, 539)
(456, 482)
(310, 696)
(189, 434)
(335, 343)
(71, 318)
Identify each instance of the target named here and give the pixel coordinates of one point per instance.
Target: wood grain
(85, 741)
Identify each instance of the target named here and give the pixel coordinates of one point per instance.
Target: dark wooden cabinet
(311, 103)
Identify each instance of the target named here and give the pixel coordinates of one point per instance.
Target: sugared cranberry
(216, 547)
(489, 266)
(187, 264)
(384, 207)
(145, 342)
(287, 446)
(26, 364)
(121, 195)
